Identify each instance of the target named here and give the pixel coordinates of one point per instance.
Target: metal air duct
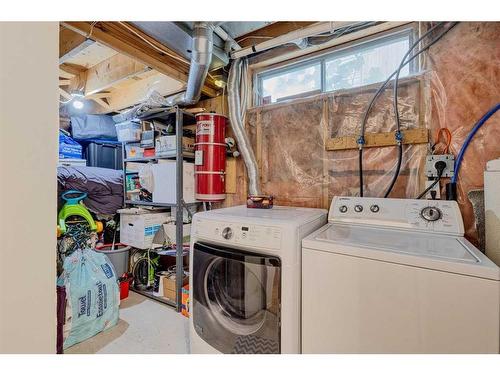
(201, 57)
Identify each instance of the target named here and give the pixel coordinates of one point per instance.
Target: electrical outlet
(430, 169)
(435, 188)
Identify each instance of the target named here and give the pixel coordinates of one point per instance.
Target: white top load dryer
(397, 276)
(245, 278)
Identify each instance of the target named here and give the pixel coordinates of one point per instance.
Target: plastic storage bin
(128, 131)
(118, 257)
(104, 155)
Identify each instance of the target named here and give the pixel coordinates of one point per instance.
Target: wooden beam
(270, 31)
(99, 95)
(112, 71)
(410, 136)
(71, 44)
(65, 94)
(287, 53)
(115, 36)
(71, 69)
(102, 103)
(130, 92)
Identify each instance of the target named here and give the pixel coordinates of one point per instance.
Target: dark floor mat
(255, 345)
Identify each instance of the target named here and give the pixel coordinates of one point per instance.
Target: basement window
(357, 65)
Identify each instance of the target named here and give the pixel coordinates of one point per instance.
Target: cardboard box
(170, 230)
(167, 146)
(138, 227)
(164, 181)
(169, 290)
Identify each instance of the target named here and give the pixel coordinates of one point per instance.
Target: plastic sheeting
(465, 84)
(460, 83)
(298, 170)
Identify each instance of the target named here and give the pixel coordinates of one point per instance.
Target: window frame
(322, 56)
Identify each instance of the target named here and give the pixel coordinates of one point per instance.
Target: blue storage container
(68, 147)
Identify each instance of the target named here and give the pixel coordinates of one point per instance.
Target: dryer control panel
(410, 214)
(263, 236)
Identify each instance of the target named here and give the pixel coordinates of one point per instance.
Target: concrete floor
(145, 327)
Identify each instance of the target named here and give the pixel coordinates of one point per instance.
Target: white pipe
(227, 38)
(305, 32)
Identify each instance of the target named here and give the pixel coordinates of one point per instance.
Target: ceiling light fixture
(77, 100)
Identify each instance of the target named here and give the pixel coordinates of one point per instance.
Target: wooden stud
(326, 176)
(231, 175)
(410, 136)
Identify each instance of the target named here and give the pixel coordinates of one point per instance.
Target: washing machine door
(236, 299)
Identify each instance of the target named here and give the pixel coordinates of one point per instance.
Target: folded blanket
(104, 187)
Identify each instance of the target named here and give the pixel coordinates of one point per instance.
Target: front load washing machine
(245, 278)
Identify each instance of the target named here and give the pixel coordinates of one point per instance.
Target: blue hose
(469, 138)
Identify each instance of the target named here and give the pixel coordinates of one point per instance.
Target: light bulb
(78, 104)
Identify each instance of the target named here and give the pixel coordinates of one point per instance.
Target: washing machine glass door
(236, 299)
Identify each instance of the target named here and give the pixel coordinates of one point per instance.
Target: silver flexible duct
(237, 79)
(201, 57)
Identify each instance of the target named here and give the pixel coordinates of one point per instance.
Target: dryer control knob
(430, 213)
(227, 233)
(358, 208)
(374, 208)
(343, 209)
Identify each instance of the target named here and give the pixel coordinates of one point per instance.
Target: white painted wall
(28, 160)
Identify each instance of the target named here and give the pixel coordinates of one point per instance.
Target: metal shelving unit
(179, 116)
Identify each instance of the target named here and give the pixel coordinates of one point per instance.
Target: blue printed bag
(93, 295)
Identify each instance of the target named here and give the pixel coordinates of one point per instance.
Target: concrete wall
(28, 159)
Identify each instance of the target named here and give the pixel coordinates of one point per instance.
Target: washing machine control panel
(411, 214)
(263, 236)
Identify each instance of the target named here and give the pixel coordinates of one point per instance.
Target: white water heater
(492, 210)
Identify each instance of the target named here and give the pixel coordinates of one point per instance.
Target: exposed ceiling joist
(137, 46)
(66, 95)
(112, 71)
(71, 44)
(102, 103)
(130, 92)
(271, 31)
(285, 53)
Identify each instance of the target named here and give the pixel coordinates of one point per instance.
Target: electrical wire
(467, 141)
(440, 167)
(422, 194)
(361, 140)
(447, 134)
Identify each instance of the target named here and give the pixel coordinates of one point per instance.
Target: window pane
(367, 64)
(290, 83)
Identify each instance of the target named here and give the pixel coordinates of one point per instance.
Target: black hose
(396, 109)
(383, 87)
(361, 172)
(398, 168)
